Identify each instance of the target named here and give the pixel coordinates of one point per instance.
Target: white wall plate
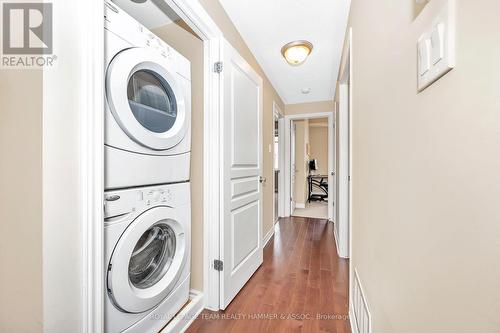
(436, 47)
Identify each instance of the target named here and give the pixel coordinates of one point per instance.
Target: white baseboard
(336, 240)
(268, 236)
(352, 321)
(336, 236)
(300, 205)
(187, 315)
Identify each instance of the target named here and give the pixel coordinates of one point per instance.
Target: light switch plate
(441, 34)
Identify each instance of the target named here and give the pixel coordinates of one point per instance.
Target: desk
(319, 182)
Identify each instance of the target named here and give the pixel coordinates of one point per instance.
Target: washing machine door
(147, 260)
(146, 99)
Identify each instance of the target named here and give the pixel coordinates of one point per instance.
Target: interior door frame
(288, 166)
(83, 62)
(277, 113)
(346, 105)
(344, 176)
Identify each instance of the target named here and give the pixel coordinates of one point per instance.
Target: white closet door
(241, 234)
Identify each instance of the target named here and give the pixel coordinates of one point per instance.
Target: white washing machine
(148, 106)
(147, 233)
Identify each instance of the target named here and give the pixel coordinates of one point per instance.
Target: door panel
(245, 231)
(241, 230)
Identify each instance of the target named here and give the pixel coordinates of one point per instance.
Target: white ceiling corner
(268, 25)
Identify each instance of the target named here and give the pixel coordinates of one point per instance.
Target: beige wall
(180, 38)
(315, 107)
(318, 140)
(21, 201)
(220, 17)
(426, 180)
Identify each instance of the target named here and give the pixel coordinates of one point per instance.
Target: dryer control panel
(126, 27)
(121, 202)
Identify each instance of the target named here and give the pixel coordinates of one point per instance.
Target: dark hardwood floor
(302, 286)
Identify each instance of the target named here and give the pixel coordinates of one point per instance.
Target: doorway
(310, 165)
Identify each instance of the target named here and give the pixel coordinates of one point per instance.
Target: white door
(241, 229)
(293, 168)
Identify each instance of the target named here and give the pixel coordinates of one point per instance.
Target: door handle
(332, 173)
(262, 180)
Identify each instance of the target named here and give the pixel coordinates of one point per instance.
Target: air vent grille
(361, 317)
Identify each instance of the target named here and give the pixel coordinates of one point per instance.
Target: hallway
(301, 276)
(314, 209)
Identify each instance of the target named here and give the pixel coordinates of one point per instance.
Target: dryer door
(145, 98)
(147, 260)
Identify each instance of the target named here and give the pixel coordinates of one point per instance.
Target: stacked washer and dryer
(147, 226)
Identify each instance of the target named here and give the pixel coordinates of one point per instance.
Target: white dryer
(147, 234)
(148, 106)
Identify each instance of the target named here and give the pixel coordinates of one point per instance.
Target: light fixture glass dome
(295, 53)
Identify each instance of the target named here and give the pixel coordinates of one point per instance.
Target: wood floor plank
(302, 286)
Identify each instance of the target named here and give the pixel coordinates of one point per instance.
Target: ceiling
(267, 25)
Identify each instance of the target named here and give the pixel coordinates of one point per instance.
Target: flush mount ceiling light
(139, 1)
(305, 91)
(295, 53)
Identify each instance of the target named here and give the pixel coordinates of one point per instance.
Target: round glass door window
(152, 101)
(152, 256)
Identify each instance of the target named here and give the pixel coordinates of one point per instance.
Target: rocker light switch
(436, 45)
(424, 46)
(437, 39)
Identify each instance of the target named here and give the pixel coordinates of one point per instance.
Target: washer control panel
(121, 202)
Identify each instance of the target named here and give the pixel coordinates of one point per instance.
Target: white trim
(281, 185)
(193, 13)
(345, 155)
(73, 170)
(212, 163)
(352, 320)
(332, 175)
(92, 129)
(351, 81)
(287, 174)
(268, 236)
(277, 113)
(182, 320)
(336, 237)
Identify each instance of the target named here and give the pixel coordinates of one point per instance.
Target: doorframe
(83, 62)
(281, 161)
(344, 176)
(346, 84)
(288, 123)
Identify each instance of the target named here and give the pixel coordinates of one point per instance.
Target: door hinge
(218, 66)
(218, 265)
